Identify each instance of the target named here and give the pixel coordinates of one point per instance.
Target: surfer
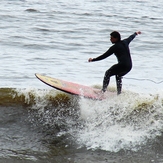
(122, 52)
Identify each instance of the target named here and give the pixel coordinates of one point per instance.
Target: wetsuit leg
(106, 80)
(110, 72)
(119, 84)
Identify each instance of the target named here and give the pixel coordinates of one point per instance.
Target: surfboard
(72, 88)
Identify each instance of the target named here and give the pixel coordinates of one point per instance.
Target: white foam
(122, 122)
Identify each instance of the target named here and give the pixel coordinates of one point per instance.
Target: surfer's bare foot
(98, 91)
(101, 94)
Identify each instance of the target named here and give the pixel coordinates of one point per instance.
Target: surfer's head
(115, 37)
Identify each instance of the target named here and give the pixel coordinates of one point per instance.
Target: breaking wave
(124, 122)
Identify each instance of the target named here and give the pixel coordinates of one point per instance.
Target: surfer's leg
(110, 72)
(106, 80)
(118, 76)
(119, 84)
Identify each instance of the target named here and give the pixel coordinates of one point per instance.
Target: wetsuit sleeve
(109, 52)
(130, 38)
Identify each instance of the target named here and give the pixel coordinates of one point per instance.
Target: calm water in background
(39, 124)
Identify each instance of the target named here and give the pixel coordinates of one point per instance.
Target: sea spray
(124, 122)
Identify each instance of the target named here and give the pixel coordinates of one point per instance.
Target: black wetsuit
(124, 65)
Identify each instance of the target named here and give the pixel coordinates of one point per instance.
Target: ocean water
(56, 38)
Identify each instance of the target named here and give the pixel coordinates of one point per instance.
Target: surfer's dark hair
(116, 34)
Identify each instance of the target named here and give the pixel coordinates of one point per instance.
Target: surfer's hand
(138, 33)
(90, 60)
